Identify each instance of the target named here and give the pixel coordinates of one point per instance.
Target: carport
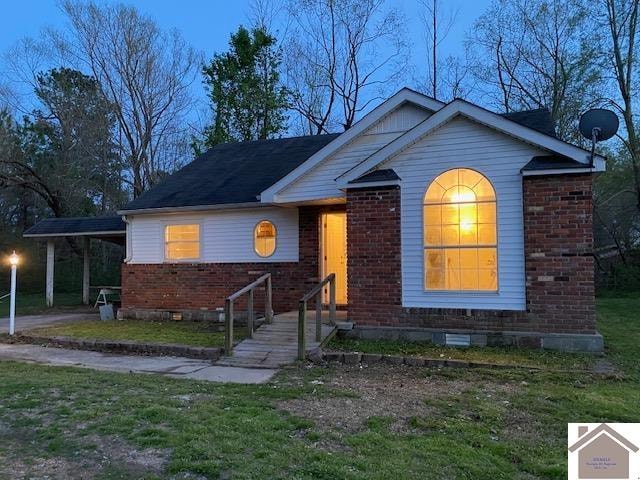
(109, 229)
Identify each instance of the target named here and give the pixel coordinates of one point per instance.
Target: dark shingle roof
(538, 119)
(231, 173)
(377, 176)
(76, 225)
(552, 162)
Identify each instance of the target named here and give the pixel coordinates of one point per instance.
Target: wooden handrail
(251, 286)
(315, 290)
(302, 311)
(229, 311)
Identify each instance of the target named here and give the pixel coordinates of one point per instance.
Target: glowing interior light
(464, 196)
(466, 226)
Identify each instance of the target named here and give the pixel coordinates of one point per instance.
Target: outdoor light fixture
(14, 259)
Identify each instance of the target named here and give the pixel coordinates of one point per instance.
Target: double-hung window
(182, 242)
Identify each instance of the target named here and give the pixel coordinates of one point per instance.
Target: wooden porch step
(276, 344)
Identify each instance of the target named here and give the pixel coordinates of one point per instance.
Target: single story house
(442, 222)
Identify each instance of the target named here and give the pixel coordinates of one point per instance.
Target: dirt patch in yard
(108, 454)
(396, 392)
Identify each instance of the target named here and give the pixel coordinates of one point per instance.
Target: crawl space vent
(457, 340)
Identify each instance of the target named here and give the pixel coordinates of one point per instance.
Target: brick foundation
(559, 264)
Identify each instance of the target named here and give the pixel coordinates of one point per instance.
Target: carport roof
(78, 226)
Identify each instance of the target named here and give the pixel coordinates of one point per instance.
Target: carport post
(86, 269)
(49, 280)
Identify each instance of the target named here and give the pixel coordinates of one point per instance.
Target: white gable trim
(493, 120)
(557, 171)
(381, 183)
(403, 96)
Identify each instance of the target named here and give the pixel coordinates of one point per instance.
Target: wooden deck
(276, 344)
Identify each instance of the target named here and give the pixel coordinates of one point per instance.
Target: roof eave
(191, 208)
(105, 233)
(381, 183)
(558, 171)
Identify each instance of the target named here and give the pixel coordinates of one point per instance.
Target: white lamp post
(13, 260)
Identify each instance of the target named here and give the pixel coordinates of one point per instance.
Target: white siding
(463, 143)
(320, 183)
(400, 120)
(226, 236)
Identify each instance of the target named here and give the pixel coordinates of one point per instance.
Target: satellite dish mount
(597, 125)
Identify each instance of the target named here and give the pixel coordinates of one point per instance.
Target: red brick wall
(196, 286)
(559, 265)
(559, 260)
(373, 255)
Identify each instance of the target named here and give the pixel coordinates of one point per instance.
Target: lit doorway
(334, 253)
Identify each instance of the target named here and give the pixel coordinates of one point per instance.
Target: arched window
(460, 239)
(264, 238)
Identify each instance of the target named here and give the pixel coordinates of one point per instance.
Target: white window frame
(477, 293)
(168, 224)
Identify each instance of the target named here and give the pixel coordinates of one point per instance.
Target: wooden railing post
(228, 327)
(250, 314)
(228, 310)
(268, 309)
(332, 300)
(302, 313)
(319, 316)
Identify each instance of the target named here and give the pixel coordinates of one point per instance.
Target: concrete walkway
(176, 367)
(27, 322)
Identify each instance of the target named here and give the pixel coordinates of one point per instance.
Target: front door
(334, 253)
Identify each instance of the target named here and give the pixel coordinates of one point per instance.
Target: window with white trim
(460, 233)
(182, 242)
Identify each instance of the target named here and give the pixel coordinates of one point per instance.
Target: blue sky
(206, 25)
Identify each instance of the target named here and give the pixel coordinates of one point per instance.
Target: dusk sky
(206, 25)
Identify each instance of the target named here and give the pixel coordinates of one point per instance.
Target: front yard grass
(341, 422)
(200, 334)
(35, 303)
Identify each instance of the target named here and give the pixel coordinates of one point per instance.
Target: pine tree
(248, 101)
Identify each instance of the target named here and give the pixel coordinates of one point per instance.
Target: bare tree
(145, 73)
(341, 55)
(438, 23)
(619, 50)
(537, 58)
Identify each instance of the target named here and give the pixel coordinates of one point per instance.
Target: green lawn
(314, 423)
(199, 334)
(34, 303)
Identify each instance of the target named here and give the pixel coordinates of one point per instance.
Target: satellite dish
(598, 124)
